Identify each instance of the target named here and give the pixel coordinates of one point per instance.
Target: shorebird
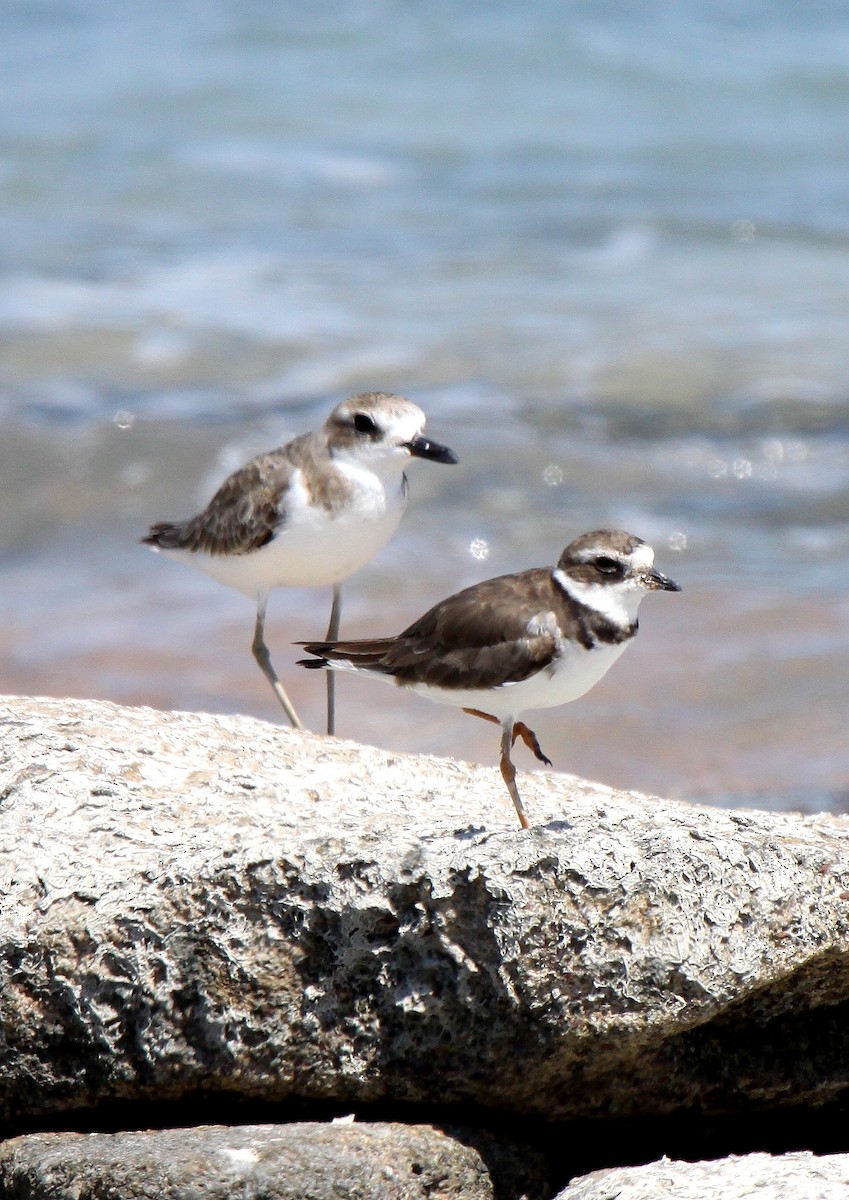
(307, 514)
(534, 639)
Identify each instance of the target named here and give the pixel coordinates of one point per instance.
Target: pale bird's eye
(363, 423)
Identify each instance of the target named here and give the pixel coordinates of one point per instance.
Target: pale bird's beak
(422, 447)
(655, 581)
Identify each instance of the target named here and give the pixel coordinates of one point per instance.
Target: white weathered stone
(799, 1176)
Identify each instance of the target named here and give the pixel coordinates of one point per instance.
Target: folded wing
(499, 631)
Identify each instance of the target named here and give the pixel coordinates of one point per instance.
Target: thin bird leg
(260, 651)
(508, 772)
(520, 729)
(476, 712)
(331, 636)
(528, 736)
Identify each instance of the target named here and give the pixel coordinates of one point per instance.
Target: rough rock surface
(800, 1176)
(218, 904)
(335, 1161)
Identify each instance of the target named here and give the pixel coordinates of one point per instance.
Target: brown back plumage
(249, 507)
(241, 516)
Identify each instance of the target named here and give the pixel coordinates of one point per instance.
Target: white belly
(314, 549)
(577, 671)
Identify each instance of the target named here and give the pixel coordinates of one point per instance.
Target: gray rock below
(196, 903)
(337, 1161)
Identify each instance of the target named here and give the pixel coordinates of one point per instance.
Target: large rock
(263, 1162)
(218, 904)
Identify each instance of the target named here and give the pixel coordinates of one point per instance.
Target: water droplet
(742, 468)
(744, 231)
(552, 475)
(677, 541)
(773, 450)
(124, 419)
(479, 548)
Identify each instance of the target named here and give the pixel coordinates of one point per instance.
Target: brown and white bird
(534, 639)
(309, 513)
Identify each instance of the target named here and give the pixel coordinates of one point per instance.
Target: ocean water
(605, 246)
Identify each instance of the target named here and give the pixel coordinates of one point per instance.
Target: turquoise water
(606, 247)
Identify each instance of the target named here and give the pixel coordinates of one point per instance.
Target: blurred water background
(605, 245)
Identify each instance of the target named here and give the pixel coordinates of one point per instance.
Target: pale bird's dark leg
(520, 729)
(331, 636)
(508, 772)
(260, 651)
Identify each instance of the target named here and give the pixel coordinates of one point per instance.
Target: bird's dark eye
(608, 566)
(363, 423)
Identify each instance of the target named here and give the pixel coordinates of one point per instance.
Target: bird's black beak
(659, 582)
(422, 447)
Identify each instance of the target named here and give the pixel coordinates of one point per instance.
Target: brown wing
(478, 638)
(242, 515)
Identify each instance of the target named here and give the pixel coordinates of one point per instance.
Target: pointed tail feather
(164, 534)
(312, 664)
(365, 655)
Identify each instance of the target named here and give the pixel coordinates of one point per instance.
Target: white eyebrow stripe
(642, 557)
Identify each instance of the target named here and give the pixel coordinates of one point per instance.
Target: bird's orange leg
(508, 773)
(510, 732)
